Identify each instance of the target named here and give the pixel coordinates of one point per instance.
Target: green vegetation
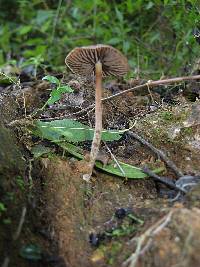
(20, 183)
(2, 208)
(156, 36)
(167, 115)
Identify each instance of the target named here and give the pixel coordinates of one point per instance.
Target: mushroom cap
(82, 60)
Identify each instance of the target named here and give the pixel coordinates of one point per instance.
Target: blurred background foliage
(156, 36)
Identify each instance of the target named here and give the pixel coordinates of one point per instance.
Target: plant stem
(56, 20)
(98, 120)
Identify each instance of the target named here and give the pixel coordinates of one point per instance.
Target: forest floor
(54, 218)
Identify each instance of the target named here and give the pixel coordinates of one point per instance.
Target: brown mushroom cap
(82, 60)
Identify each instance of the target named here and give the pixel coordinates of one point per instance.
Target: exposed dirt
(74, 222)
(78, 208)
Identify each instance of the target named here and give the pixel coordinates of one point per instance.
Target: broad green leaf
(63, 131)
(130, 171)
(71, 131)
(51, 79)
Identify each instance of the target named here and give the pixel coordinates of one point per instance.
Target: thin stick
(148, 85)
(20, 225)
(56, 19)
(155, 83)
(115, 160)
(160, 153)
(98, 121)
(162, 180)
(5, 262)
(149, 233)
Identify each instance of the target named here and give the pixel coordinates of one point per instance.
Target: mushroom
(101, 61)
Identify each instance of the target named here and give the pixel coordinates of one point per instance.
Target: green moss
(187, 131)
(167, 115)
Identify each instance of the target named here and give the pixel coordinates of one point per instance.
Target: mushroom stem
(98, 120)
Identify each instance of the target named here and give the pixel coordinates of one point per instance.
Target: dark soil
(74, 222)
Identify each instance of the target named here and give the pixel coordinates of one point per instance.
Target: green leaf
(65, 89)
(51, 79)
(130, 171)
(31, 252)
(39, 150)
(149, 5)
(2, 207)
(71, 131)
(119, 15)
(43, 16)
(57, 93)
(114, 41)
(63, 131)
(24, 29)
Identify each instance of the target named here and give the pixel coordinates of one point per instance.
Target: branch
(159, 152)
(149, 234)
(162, 180)
(155, 83)
(147, 84)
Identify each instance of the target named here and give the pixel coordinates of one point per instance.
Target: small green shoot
(56, 93)
(2, 208)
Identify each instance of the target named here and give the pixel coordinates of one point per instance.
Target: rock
(175, 241)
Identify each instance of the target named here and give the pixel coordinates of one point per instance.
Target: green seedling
(56, 93)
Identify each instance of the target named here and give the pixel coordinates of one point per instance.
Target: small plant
(36, 62)
(56, 93)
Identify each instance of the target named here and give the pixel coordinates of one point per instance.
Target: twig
(159, 152)
(20, 225)
(6, 262)
(155, 83)
(116, 161)
(16, 235)
(148, 87)
(24, 105)
(147, 84)
(56, 19)
(149, 233)
(162, 180)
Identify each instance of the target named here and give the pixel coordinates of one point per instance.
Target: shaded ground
(75, 222)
